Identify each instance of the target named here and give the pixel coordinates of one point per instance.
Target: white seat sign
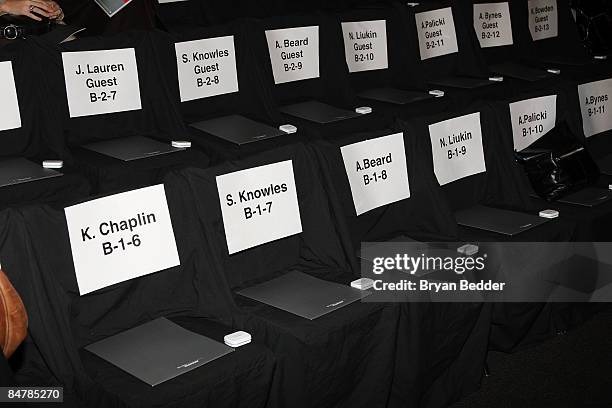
(99, 82)
(377, 171)
(206, 67)
(531, 119)
(10, 117)
(456, 147)
(365, 45)
(259, 205)
(294, 53)
(492, 24)
(121, 237)
(436, 31)
(595, 106)
(543, 19)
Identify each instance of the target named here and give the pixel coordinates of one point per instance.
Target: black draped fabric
(158, 118)
(565, 51)
(253, 100)
(441, 347)
(513, 325)
(344, 358)
(590, 224)
(331, 87)
(6, 374)
(515, 53)
(500, 185)
(599, 145)
(467, 62)
(566, 44)
(37, 138)
(54, 191)
(403, 72)
(37, 257)
(518, 325)
(424, 216)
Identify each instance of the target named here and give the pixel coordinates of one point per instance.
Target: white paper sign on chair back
(294, 53)
(365, 45)
(595, 106)
(436, 31)
(532, 119)
(456, 147)
(543, 19)
(492, 24)
(10, 117)
(377, 171)
(206, 67)
(259, 205)
(104, 81)
(121, 237)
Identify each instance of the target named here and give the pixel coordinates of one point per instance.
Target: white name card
(595, 106)
(121, 237)
(456, 147)
(294, 53)
(532, 119)
(492, 24)
(10, 118)
(365, 45)
(206, 67)
(99, 82)
(377, 172)
(436, 31)
(259, 205)
(543, 19)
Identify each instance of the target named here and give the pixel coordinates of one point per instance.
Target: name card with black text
(365, 45)
(532, 119)
(121, 237)
(492, 24)
(377, 172)
(543, 19)
(456, 147)
(436, 31)
(294, 53)
(206, 67)
(10, 118)
(99, 82)
(259, 205)
(595, 106)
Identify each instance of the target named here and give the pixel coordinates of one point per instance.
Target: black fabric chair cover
(62, 322)
(39, 137)
(468, 62)
(331, 87)
(566, 51)
(445, 343)
(424, 216)
(501, 184)
(311, 376)
(253, 100)
(404, 72)
(158, 119)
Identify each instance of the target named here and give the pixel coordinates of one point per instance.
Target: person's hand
(57, 13)
(34, 9)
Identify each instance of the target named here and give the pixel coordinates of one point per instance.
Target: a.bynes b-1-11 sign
(121, 237)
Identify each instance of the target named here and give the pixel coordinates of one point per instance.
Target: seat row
(406, 170)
